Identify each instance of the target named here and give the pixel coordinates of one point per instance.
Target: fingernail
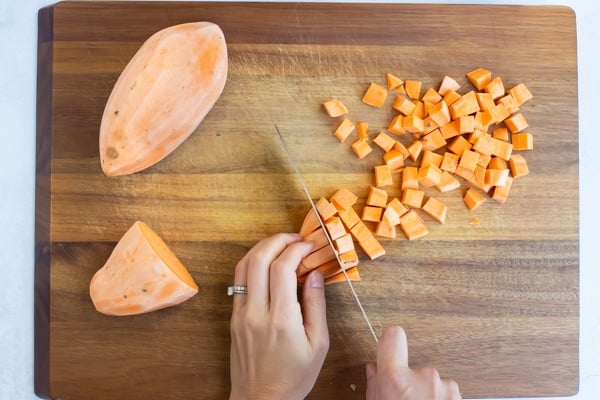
(315, 279)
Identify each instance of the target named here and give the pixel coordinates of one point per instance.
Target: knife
(327, 235)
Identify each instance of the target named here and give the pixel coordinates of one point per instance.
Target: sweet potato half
(162, 95)
(141, 275)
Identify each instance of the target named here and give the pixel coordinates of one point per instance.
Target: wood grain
(494, 305)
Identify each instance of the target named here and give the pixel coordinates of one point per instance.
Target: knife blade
(327, 235)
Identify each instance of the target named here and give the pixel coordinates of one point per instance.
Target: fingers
(314, 311)
(259, 259)
(283, 279)
(371, 371)
(392, 350)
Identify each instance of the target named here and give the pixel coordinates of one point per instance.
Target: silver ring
(237, 289)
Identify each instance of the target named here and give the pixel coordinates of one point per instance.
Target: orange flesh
(161, 96)
(141, 275)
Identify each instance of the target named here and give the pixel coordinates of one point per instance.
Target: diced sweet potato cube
(344, 130)
(509, 103)
(516, 123)
(451, 97)
(399, 208)
(499, 113)
(393, 81)
(413, 124)
(480, 78)
(459, 145)
(396, 126)
(468, 160)
(414, 149)
(431, 96)
(343, 199)
(344, 244)
(400, 147)
(349, 217)
(377, 197)
(484, 145)
(484, 160)
(385, 229)
(403, 105)
(429, 157)
(522, 141)
(385, 142)
(383, 176)
(362, 128)
(394, 159)
(500, 193)
(518, 166)
(466, 124)
(433, 140)
(495, 88)
(501, 133)
(430, 175)
(436, 209)
(502, 149)
(391, 216)
(473, 199)
(349, 258)
(375, 95)
(372, 248)
(447, 183)
(335, 108)
(412, 225)
(371, 214)
(361, 148)
(451, 129)
(419, 110)
(325, 208)
(429, 125)
(496, 177)
(413, 88)
(448, 84)
(413, 198)
(449, 162)
(466, 105)
(439, 113)
(485, 101)
(335, 227)
(496, 163)
(410, 178)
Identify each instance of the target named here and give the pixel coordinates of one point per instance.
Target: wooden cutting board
(493, 305)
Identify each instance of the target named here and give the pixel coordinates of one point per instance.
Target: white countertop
(18, 33)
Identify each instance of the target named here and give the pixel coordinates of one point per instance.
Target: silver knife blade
(327, 235)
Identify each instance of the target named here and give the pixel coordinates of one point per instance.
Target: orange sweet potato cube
(344, 130)
(412, 225)
(335, 108)
(383, 176)
(436, 209)
(361, 148)
(377, 197)
(375, 95)
(480, 78)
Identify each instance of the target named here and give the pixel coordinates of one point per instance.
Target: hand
(277, 347)
(391, 378)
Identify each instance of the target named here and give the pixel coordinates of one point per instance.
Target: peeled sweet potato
(141, 275)
(162, 95)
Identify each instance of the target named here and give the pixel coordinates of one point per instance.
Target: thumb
(371, 381)
(392, 351)
(314, 312)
